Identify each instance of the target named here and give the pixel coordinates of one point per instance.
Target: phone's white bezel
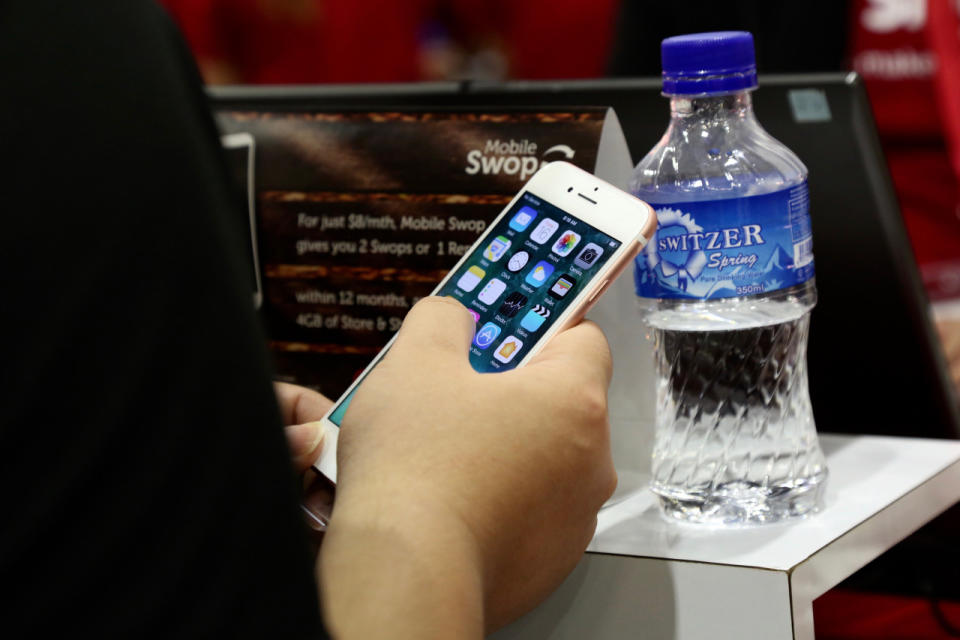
(239, 141)
(576, 192)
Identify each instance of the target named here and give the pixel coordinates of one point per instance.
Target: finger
(306, 441)
(299, 404)
(435, 327)
(582, 350)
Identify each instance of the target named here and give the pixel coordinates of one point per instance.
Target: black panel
(875, 362)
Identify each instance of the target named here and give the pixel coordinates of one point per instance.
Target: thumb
(435, 326)
(305, 444)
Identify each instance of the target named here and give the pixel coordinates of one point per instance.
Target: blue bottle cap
(706, 64)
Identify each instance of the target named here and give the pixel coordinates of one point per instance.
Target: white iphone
(538, 268)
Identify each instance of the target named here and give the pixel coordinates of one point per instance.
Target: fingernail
(305, 437)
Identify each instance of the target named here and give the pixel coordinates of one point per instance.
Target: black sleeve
(146, 482)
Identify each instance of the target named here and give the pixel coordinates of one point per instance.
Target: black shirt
(146, 482)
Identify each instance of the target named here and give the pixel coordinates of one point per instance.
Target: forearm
(399, 573)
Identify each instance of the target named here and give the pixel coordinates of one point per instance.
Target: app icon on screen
(562, 286)
(496, 249)
(469, 280)
(523, 219)
(588, 256)
(512, 305)
(487, 334)
(535, 317)
(539, 274)
(490, 293)
(518, 261)
(544, 230)
(566, 242)
(508, 349)
(476, 316)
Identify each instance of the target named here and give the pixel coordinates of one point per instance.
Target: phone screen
(520, 280)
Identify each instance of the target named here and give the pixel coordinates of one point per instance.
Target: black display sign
(359, 215)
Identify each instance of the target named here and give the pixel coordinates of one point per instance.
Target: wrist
(395, 566)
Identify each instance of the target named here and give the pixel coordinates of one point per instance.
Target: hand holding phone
(486, 486)
(536, 271)
(485, 477)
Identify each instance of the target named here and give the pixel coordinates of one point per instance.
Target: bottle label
(726, 248)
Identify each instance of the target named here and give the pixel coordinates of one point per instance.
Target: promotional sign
(359, 215)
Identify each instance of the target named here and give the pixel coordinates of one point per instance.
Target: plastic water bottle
(726, 289)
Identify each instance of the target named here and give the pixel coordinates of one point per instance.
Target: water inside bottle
(735, 440)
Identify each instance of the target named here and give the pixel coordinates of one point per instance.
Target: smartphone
(538, 268)
(239, 148)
